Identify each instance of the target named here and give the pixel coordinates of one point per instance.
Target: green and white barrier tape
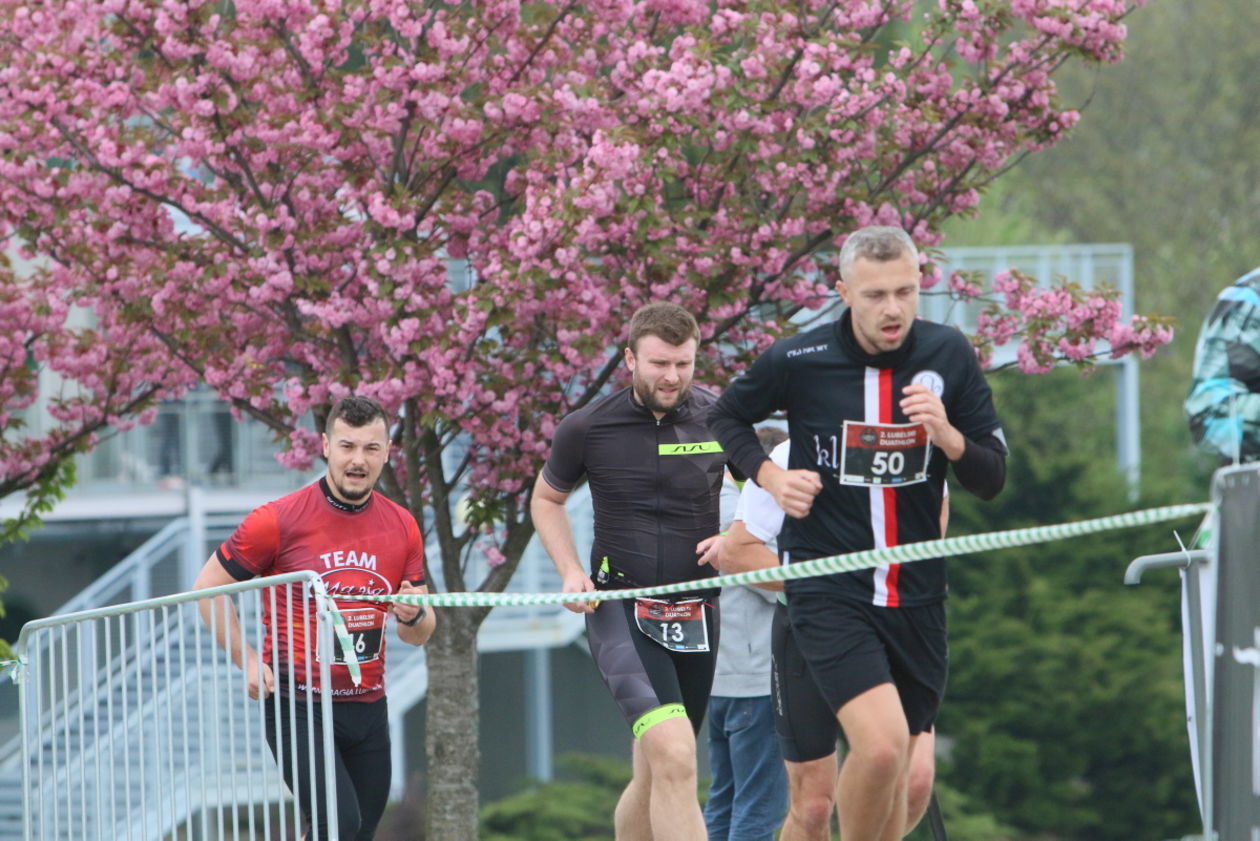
(823, 566)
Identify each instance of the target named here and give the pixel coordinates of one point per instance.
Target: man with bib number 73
(879, 405)
(655, 477)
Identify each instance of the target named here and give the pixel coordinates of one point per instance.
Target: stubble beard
(349, 495)
(648, 398)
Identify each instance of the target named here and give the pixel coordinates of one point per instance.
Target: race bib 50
(884, 453)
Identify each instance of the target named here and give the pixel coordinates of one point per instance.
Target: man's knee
(884, 758)
(673, 764)
(669, 749)
(875, 728)
(812, 813)
(811, 793)
(919, 790)
(919, 784)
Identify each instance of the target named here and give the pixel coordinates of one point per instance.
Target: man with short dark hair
(655, 475)
(879, 406)
(359, 542)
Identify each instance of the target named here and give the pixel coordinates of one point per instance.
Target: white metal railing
(135, 724)
(1221, 623)
(158, 567)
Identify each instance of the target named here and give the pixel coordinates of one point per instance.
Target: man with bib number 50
(879, 406)
(655, 477)
(360, 543)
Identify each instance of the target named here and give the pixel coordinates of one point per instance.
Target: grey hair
(880, 243)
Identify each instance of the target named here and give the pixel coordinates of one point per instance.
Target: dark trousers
(360, 750)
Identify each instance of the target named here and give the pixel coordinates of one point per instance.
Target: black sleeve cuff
(233, 568)
(982, 467)
(744, 453)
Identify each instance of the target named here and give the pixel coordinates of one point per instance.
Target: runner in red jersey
(361, 544)
(365, 549)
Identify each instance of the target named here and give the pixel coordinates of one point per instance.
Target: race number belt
(678, 626)
(883, 454)
(365, 627)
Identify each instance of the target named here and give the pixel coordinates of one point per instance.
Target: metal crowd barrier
(137, 726)
(1221, 622)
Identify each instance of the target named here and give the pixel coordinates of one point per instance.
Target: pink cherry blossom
(1061, 323)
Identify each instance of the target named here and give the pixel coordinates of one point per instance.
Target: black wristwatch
(409, 623)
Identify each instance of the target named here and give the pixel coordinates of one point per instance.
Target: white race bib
(678, 626)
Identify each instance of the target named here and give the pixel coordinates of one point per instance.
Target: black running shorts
(852, 647)
(805, 723)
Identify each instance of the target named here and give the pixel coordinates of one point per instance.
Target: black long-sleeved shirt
(882, 480)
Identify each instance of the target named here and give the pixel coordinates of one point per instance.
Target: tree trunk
(452, 725)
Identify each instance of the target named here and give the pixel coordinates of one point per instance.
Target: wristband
(413, 620)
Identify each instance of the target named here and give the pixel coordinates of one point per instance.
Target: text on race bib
(882, 454)
(678, 626)
(364, 626)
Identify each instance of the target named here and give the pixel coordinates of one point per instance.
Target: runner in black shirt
(878, 405)
(655, 476)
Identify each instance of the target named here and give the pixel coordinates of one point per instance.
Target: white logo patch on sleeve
(934, 381)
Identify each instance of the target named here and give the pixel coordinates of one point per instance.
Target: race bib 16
(364, 627)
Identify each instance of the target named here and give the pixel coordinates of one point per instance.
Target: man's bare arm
(551, 521)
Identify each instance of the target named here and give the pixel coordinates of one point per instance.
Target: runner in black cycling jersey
(655, 476)
(879, 405)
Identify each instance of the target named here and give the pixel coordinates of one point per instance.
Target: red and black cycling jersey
(366, 549)
(882, 480)
(654, 484)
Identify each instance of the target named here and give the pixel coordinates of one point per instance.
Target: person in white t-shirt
(748, 792)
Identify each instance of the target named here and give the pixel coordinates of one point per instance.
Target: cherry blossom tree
(1064, 323)
(63, 383)
(454, 208)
